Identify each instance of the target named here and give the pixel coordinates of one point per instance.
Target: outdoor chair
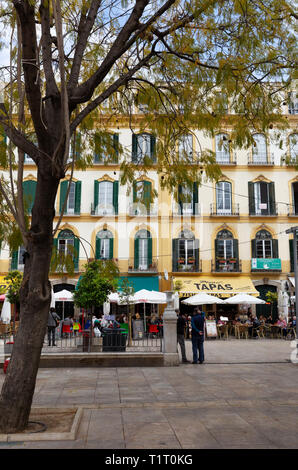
(276, 331)
(153, 330)
(66, 329)
(242, 331)
(223, 331)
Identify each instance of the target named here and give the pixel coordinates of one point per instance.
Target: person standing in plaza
(53, 322)
(197, 325)
(181, 323)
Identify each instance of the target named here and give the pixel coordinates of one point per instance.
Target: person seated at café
(282, 323)
(270, 320)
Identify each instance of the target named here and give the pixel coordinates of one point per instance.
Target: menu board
(211, 329)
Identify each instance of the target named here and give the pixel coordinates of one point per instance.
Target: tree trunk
(35, 296)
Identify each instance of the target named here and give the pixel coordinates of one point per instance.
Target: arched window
(226, 251)
(105, 197)
(143, 250)
(104, 245)
(293, 140)
(223, 197)
(263, 244)
(17, 259)
(143, 145)
(29, 190)
(222, 148)
(73, 205)
(259, 149)
(185, 252)
(185, 148)
(68, 248)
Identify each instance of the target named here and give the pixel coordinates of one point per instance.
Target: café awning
(222, 286)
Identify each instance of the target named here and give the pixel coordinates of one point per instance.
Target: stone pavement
(244, 396)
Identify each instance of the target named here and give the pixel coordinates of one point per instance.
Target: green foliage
(127, 290)
(272, 297)
(93, 288)
(16, 279)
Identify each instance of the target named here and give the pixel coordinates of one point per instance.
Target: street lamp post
(294, 230)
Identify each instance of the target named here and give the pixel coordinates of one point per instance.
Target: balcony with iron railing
(293, 210)
(186, 209)
(143, 265)
(139, 209)
(102, 210)
(226, 159)
(269, 211)
(190, 267)
(221, 265)
(233, 211)
(260, 159)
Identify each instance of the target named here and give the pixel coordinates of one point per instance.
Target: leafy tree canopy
(93, 288)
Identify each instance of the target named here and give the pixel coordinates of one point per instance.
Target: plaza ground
(243, 397)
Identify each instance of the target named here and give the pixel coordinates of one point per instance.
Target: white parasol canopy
(244, 299)
(115, 298)
(202, 299)
(149, 297)
(6, 311)
(63, 295)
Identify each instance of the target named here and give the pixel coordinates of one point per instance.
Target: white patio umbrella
(115, 298)
(52, 305)
(150, 297)
(203, 299)
(244, 299)
(6, 311)
(63, 296)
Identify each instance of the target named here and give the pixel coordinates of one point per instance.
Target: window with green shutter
(143, 250)
(29, 190)
(106, 148)
(73, 205)
(104, 248)
(143, 145)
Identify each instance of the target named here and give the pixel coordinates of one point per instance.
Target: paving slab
(243, 396)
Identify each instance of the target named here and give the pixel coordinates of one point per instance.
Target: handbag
(56, 322)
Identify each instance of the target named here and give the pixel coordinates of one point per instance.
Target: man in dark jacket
(197, 325)
(53, 319)
(181, 322)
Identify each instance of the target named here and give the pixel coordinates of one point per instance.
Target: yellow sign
(223, 286)
(3, 285)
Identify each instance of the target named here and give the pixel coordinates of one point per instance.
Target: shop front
(223, 287)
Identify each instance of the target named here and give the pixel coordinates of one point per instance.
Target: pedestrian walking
(181, 323)
(197, 325)
(53, 322)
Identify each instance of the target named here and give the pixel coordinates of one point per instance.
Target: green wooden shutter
(235, 248)
(76, 253)
(147, 195)
(153, 148)
(254, 248)
(136, 259)
(272, 207)
(134, 153)
(116, 147)
(251, 199)
(216, 254)
(149, 250)
(29, 190)
(63, 191)
(111, 253)
(180, 202)
(97, 148)
(274, 248)
(134, 191)
(14, 259)
(96, 183)
(196, 252)
(175, 242)
(195, 199)
(78, 191)
(115, 196)
(291, 242)
(97, 247)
